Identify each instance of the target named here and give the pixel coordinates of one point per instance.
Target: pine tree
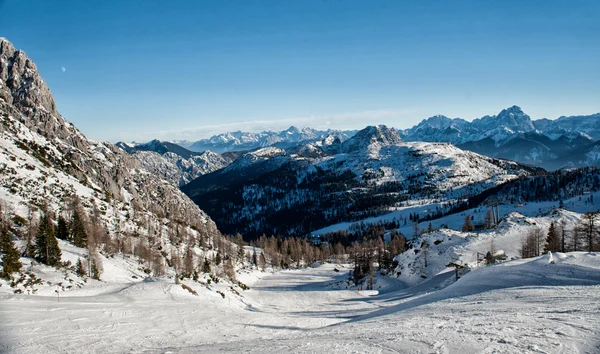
(468, 224)
(46, 245)
(62, 229)
(553, 240)
(218, 259)
(10, 259)
(78, 233)
(206, 266)
(80, 268)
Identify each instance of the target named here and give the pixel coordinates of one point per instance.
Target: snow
(523, 306)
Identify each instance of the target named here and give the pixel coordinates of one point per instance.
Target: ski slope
(521, 306)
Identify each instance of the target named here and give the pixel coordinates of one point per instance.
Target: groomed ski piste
(547, 304)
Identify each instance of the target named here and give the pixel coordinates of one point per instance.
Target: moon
(63, 69)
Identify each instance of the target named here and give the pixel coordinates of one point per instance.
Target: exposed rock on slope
(44, 159)
(175, 163)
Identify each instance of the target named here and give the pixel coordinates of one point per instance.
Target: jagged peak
(514, 110)
(293, 130)
(372, 134)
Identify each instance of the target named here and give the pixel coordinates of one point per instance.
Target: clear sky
(136, 70)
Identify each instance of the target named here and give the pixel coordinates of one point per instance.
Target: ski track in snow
(532, 309)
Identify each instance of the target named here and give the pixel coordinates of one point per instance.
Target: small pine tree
(62, 229)
(218, 259)
(46, 245)
(206, 266)
(468, 224)
(10, 259)
(80, 268)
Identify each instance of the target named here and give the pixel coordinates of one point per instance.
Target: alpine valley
(450, 236)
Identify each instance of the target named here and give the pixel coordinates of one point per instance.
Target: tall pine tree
(10, 259)
(553, 240)
(78, 233)
(62, 229)
(46, 245)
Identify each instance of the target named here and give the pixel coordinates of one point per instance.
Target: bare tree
(489, 219)
(590, 229)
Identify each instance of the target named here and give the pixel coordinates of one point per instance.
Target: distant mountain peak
(372, 134)
(292, 130)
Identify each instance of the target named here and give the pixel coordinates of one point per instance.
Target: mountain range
(512, 134)
(296, 190)
(243, 141)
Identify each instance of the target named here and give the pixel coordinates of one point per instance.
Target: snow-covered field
(521, 306)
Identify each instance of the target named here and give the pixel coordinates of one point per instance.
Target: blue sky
(136, 70)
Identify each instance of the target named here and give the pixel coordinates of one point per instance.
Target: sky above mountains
(191, 69)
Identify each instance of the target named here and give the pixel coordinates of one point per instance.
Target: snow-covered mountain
(293, 191)
(174, 163)
(513, 135)
(243, 141)
(46, 161)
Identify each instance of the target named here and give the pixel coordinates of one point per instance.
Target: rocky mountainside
(244, 141)
(512, 134)
(294, 191)
(174, 163)
(45, 160)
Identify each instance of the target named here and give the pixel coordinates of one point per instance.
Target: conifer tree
(78, 233)
(46, 245)
(468, 224)
(553, 240)
(80, 268)
(206, 266)
(62, 229)
(10, 259)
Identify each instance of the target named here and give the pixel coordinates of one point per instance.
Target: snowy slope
(516, 307)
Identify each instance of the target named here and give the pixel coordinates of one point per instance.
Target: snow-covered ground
(521, 306)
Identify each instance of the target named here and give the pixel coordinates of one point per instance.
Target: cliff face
(45, 158)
